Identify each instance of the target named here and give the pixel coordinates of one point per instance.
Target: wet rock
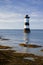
(41, 50)
(30, 45)
(5, 47)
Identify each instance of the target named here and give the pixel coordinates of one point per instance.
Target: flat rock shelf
(30, 45)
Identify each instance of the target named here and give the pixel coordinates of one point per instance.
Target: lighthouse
(26, 24)
(26, 29)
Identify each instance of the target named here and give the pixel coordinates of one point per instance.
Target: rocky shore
(11, 57)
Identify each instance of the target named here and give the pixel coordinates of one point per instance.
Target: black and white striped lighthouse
(26, 24)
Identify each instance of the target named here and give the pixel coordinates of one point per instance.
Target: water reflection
(26, 37)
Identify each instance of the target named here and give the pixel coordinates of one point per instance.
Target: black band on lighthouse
(27, 30)
(26, 23)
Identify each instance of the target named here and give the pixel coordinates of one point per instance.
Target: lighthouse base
(27, 30)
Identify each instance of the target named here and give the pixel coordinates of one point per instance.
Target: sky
(12, 13)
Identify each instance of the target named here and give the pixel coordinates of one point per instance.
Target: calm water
(17, 36)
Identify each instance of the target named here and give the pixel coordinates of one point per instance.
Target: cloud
(36, 16)
(10, 17)
(37, 2)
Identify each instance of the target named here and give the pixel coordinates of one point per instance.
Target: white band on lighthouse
(26, 20)
(26, 26)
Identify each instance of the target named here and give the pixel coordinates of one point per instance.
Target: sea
(17, 36)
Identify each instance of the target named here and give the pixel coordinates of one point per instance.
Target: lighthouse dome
(27, 16)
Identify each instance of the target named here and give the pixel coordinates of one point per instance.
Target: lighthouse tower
(26, 24)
